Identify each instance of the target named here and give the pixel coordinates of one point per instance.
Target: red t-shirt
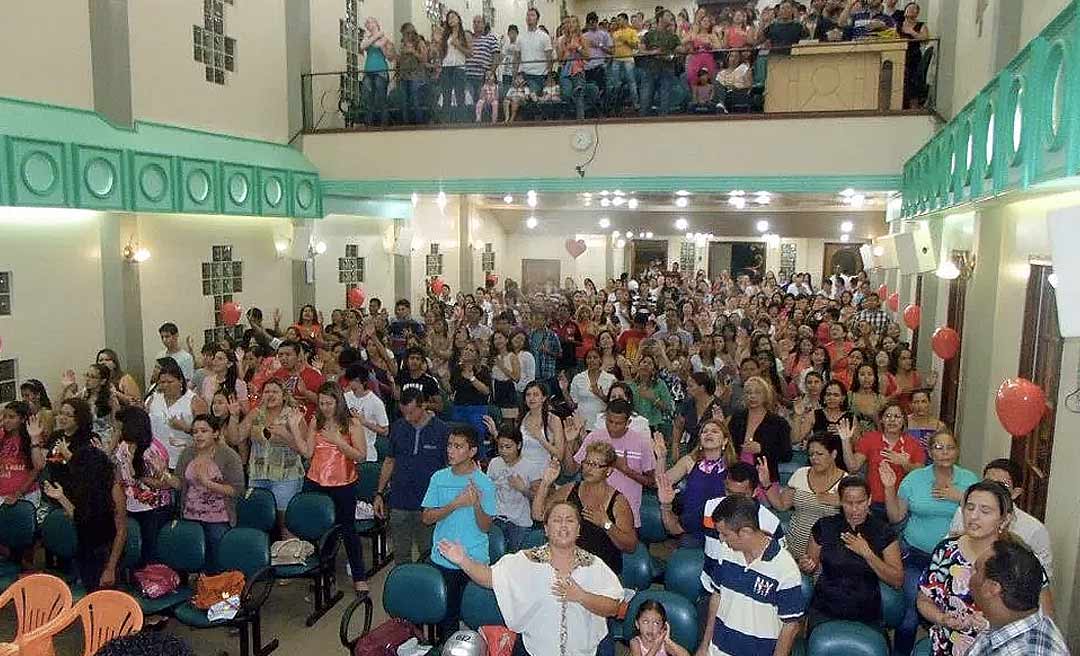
(872, 444)
(628, 342)
(14, 472)
(312, 380)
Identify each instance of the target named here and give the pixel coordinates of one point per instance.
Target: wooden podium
(830, 77)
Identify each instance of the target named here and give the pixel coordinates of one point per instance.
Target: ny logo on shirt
(763, 587)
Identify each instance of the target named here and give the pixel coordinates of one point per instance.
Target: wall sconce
(960, 265)
(135, 254)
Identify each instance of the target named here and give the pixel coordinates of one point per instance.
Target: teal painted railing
(1020, 131)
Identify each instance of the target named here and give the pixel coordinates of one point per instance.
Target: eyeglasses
(594, 465)
(943, 447)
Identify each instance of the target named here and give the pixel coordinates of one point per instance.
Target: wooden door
(1040, 362)
(950, 375)
(841, 258)
(537, 273)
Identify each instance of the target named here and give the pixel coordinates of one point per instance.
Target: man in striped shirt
(483, 56)
(756, 598)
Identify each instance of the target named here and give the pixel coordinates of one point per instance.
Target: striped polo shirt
(756, 599)
(482, 56)
(767, 521)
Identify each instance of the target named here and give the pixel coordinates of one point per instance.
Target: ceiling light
(857, 201)
(605, 223)
(619, 193)
(681, 223)
(762, 226)
(588, 202)
(615, 234)
(618, 200)
(604, 192)
(648, 234)
(605, 202)
(632, 203)
(738, 202)
(508, 199)
(531, 222)
(415, 199)
(1053, 280)
(681, 201)
(138, 254)
(531, 192)
(736, 192)
(947, 271)
(848, 193)
(620, 244)
(587, 194)
(847, 226)
(320, 247)
(763, 199)
(641, 234)
(845, 237)
(629, 234)
(440, 200)
(682, 192)
(531, 201)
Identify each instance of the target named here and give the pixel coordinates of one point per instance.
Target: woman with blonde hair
(704, 469)
(757, 430)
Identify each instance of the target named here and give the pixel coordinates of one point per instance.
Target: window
(9, 380)
(5, 293)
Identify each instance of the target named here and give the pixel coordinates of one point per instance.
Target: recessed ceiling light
(605, 223)
(587, 194)
(632, 203)
(857, 201)
(762, 226)
(847, 226)
(763, 199)
(531, 222)
(648, 235)
(605, 202)
(738, 202)
(588, 202)
(848, 193)
(508, 199)
(604, 192)
(682, 192)
(531, 192)
(619, 193)
(845, 237)
(641, 234)
(629, 234)
(681, 201)
(615, 234)
(736, 192)
(681, 223)
(415, 199)
(618, 200)
(531, 200)
(440, 200)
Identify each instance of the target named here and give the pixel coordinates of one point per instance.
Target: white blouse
(522, 582)
(588, 406)
(160, 413)
(528, 371)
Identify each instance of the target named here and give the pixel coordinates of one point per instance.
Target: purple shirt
(596, 39)
(636, 449)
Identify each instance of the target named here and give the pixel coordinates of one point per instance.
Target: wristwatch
(608, 525)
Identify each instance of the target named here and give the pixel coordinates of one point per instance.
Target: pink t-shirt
(14, 472)
(202, 505)
(636, 449)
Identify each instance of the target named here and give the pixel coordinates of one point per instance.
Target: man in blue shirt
(417, 450)
(546, 348)
(402, 326)
(460, 501)
(864, 18)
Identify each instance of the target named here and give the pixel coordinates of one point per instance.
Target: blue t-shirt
(460, 525)
(929, 518)
(417, 455)
(860, 23)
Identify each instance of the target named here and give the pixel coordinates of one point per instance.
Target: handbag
(384, 639)
(293, 551)
(157, 580)
(211, 589)
(500, 640)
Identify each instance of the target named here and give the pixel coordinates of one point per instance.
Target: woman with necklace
(704, 470)
(541, 430)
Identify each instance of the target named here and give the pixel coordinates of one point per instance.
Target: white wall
(590, 264)
(1036, 15)
(169, 86)
(45, 47)
(171, 281)
(432, 225)
(55, 260)
(373, 237)
(485, 229)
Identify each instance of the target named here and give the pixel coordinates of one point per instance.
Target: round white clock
(582, 139)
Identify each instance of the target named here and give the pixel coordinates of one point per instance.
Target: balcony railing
(810, 78)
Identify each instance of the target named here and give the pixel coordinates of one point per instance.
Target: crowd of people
(609, 65)
(736, 401)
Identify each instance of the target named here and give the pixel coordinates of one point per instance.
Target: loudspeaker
(915, 251)
(301, 240)
(1064, 231)
(885, 252)
(403, 243)
(866, 252)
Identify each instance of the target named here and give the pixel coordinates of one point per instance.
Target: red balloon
(355, 297)
(437, 285)
(230, 313)
(894, 301)
(1020, 405)
(946, 342)
(882, 291)
(912, 315)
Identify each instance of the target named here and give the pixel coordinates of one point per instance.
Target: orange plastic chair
(39, 599)
(105, 615)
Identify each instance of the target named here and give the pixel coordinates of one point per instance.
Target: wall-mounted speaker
(915, 250)
(1064, 231)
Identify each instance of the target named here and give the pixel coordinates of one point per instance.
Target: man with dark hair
(756, 599)
(1007, 583)
(872, 314)
(298, 377)
(483, 55)
(402, 327)
(413, 377)
(417, 450)
(535, 55)
(170, 339)
(600, 44)
(366, 406)
(1024, 526)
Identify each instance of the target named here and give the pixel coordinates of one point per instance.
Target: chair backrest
(681, 615)
(683, 573)
(893, 605)
(637, 568)
(496, 543)
(105, 615)
(480, 608)
(922, 648)
(243, 549)
(309, 516)
(132, 556)
(38, 599)
(415, 592)
(182, 546)
(652, 528)
(59, 535)
(534, 538)
(256, 509)
(848, 638)
(368, 480)
(17, 524)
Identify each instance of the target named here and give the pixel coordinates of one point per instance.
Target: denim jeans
(536, 83)
(412, 96)
(663, 78)
(374, 94)
(573, 89)
(622, 72)
(213, 532)
(915, 563)
(513, 533)
(452, 84)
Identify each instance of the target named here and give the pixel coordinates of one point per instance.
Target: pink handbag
(157, 580)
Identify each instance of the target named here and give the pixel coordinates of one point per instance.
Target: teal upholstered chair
(310, 517)
(637, 569)
(479, 607)
(374, 529)
(652, 528)
(256, 508)
(683, 574)
(681, 614)
(848, 638)
(182, 546)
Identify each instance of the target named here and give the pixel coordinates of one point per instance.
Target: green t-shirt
(666, 43)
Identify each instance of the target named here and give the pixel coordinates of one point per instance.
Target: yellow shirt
(626, 41)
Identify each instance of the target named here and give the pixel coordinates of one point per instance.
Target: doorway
(748, 258)
(841, 258)
(535, 274)
(645, 253)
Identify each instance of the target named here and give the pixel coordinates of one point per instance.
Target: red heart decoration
(575, 247)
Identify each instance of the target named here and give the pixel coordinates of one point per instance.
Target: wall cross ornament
(211, 47)
(221, 278)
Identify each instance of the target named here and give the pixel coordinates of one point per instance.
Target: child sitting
(701, 92)
(552, 93)
(654, 633)
(517, 95)
(488, 96)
